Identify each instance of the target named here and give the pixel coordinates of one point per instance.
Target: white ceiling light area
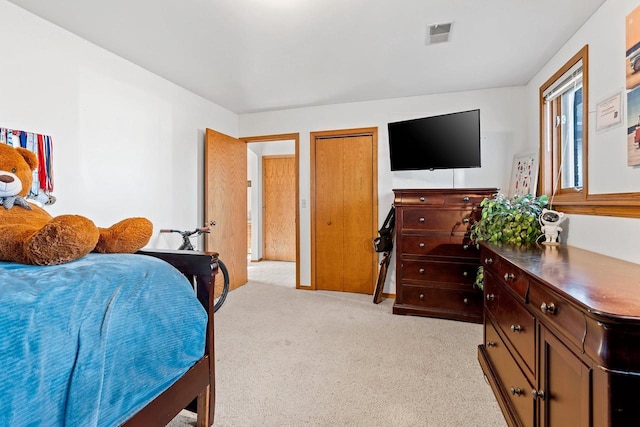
(258, 55)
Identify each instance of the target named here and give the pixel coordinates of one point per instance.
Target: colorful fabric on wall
(42, 147)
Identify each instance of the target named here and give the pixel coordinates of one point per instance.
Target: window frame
(570, 200)
(550, 159)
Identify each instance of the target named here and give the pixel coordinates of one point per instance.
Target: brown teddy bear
(29, 235)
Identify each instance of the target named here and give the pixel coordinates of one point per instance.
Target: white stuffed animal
(550, 221)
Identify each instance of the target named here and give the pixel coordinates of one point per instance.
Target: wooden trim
(373, 131)
(625, 205)
(312, 207)
(549, 162)
(313, 136)
(581, 202)
(271, 138)
(296, 139)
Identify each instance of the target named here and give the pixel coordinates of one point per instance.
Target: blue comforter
(90, 342)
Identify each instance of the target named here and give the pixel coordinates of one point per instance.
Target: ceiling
(259, 55)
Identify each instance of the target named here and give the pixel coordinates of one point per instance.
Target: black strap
(389, 223)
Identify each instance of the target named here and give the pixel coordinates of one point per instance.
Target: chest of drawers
(561, 336)
(435, 262)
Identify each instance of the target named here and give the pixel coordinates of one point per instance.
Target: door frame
(313, 136)
(295, 137)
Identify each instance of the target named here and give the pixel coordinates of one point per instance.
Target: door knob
(328, 222)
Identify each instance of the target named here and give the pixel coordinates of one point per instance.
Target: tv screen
(448, 141)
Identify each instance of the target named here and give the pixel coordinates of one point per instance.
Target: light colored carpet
(287, 357)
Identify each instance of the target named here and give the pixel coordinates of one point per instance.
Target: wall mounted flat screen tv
(447, 141)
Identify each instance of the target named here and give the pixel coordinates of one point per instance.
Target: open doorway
(273, 233)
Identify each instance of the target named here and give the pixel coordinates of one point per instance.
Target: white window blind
(572, 78)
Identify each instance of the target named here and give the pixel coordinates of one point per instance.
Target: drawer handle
(466, 300)
(422, 199)
(537, 394)
(516, 391)
(516, 328)
(488, 261)
(465, 247)
(421, 219)
(421, 245)
(509, 276)
(466, 199)
(490, 297)
(421, 271)
(421, 296)
(465, 220)
(491, 344)
(465, 273)
(548, 309)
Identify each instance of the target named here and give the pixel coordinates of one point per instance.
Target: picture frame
(609, 112)
(524, 175)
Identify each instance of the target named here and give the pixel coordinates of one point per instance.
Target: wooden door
(279, 208)
(358, 214)
(566, 384)
(329, 232)
(226, 202)
(344, 212)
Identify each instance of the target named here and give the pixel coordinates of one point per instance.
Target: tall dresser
(436, 264)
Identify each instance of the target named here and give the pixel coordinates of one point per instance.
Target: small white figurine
(550, 222)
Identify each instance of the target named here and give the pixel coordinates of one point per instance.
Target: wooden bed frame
(199, 381)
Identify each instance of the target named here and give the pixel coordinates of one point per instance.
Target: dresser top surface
(444, 190)
(603, 285)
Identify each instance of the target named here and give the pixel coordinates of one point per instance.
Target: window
(563, 145)
(564, 136)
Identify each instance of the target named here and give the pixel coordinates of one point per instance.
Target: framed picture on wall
(524, 175)
(609, 112)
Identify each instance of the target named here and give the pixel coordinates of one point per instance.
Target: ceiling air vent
(438, 33)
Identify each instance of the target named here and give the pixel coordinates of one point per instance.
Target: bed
(106, 340)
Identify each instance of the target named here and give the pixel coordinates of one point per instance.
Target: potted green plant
(510, 220)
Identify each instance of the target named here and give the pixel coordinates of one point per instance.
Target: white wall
(126, 142)
(608, 170)
(502, 131)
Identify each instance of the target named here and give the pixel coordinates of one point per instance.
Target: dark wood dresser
(561, 336)
(435, 262)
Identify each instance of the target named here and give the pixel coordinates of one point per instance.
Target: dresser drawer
(451, 220)
(512, 277)
(444, 299)
(464, 199)
(440, 245)
(439, 271)
(515, 384)
(550, 308)
(421, 199)
(512, 318)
